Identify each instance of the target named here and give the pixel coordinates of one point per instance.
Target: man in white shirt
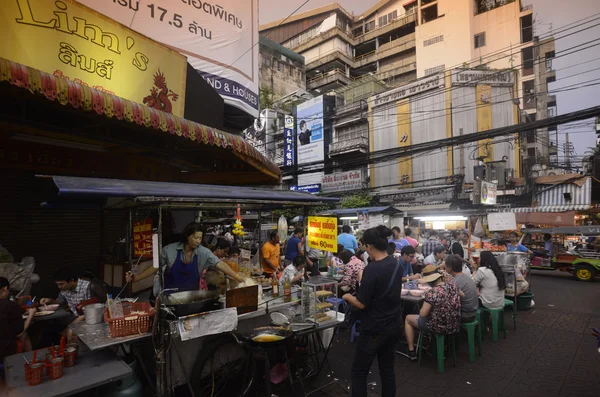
(437, 257)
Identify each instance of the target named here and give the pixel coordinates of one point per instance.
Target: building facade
(396, 48)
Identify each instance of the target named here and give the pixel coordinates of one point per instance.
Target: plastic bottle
(275, 285)
(287, 290)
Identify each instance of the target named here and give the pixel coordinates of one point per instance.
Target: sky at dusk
(549, 15)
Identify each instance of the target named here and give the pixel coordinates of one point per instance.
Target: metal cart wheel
(224, 368)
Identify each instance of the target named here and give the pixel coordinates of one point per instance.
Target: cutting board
(244, 299)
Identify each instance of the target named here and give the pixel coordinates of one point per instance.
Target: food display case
(319, 299)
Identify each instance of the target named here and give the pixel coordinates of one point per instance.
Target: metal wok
(268, 337)
(192, 302)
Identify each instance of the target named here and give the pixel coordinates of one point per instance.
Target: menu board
(142, 239)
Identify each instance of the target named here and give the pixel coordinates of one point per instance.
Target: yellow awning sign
(71, 41)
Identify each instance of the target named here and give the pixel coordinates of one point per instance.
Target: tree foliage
(357, 200)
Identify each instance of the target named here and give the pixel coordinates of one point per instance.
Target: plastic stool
(339, 302)
(439, 341)
(497, 316)
(472, 328)
(353, 333)
(511, 304)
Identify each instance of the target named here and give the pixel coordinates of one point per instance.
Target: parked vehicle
(583, 262)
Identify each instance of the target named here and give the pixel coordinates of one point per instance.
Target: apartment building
(340, 48)
(398, 45)
(282, 77)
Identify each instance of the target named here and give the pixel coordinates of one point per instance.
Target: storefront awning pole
(161, 359)
(469, 240)
(129, 240)
(305, 224)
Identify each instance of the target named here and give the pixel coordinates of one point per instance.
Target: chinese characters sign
(288, 136)
(142, 239)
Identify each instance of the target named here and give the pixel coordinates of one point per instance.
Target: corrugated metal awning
(147, 191)
(555, 196)
(551, 208)
(432, 209)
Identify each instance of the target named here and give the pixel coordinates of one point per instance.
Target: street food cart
(207, 350)
(581, 261)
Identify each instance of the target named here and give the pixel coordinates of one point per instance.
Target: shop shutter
(55, 238)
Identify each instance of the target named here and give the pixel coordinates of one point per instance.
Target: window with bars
(480, 40)
(434, 70)
(433, 40)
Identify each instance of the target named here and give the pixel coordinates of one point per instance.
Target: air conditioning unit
(552, 172)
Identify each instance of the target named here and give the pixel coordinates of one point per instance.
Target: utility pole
(567, 151)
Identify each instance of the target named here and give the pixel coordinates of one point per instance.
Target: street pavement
(551, 353)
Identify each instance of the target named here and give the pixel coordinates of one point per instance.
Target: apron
(184, 276)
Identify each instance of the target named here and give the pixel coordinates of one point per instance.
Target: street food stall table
(93, 369)
(58, 314)
(97, 336)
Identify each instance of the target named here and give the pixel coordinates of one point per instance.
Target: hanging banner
(142, 239)
(322, 233)
(363, 220)
(289, 158)
(218, 37)
(71, 41)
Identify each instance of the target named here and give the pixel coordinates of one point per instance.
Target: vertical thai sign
(289, 144)
(218, 37)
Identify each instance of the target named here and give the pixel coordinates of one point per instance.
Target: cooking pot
(94, 313)
(192, 302)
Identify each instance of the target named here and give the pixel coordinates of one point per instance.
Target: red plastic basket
(54, 368)
(34, 375)
(131, 324)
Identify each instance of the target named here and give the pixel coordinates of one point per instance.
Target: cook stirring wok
(184, 262)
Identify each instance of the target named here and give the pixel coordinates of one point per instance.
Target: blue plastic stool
(336, 301)
(353, 333)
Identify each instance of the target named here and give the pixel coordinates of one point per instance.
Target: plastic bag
(478, 231)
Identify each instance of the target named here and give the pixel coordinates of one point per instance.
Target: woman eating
(490, 280)
(380, 307)
(440, 312)
(294, 272)
(353, 271)
(185, 261)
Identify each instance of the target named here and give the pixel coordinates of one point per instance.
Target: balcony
(350, 108)
(359, 144)
(316, 40)
(407, 65)
(381, 30)
(387, 50)
(335, 77)
(324, 59)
